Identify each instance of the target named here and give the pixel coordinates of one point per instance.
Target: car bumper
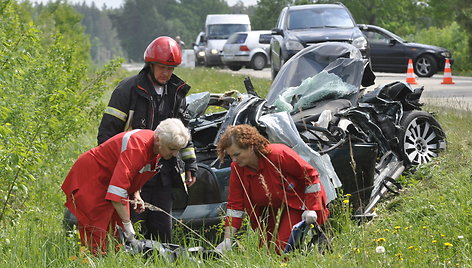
(230, 59)
(213, 60)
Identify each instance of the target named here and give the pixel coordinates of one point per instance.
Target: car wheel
(235, 67)
(258, 62)
(422, 138)
(425, 66)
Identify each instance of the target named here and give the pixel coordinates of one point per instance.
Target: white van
(218, 28)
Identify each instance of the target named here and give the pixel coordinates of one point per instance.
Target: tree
(266, 13)
(105, 44)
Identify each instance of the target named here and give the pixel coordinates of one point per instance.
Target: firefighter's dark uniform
(135, 104)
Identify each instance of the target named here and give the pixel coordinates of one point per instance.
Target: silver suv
(250, 49)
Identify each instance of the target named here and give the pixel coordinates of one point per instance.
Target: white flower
(380, 249)
(460, 237)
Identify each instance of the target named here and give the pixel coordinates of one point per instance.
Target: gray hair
(172, 132)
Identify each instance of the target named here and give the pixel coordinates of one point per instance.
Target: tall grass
(428, 224)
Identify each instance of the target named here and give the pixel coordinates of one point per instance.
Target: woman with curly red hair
(266, 178)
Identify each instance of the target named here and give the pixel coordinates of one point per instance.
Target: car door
(386, 53)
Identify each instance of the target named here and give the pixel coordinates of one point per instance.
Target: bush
(452, 37)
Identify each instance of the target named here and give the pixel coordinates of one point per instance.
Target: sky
(118, 3)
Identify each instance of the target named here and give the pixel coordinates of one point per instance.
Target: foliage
(104, 42)
(47, 98)
(266, 13)
(451, 37)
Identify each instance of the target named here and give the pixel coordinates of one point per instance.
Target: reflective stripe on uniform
(116, 113)
(313, 188)
(118, 191)
(234, 213)
(124, 142)
(188, 153)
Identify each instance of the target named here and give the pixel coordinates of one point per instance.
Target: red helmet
(163, 50)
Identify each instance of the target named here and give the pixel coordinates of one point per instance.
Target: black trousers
(156, 225)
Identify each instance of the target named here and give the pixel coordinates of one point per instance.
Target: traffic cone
(447, 73)
(410, 74)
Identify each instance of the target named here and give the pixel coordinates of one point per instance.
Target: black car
(304, 25)
(390, 53)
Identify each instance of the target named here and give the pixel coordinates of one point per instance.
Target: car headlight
(446, 54)
(360, 42)
(201, 53)
(214, 51)
(293, 45)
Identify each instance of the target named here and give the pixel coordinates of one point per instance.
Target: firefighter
(266, 178)
(102, 180)
(141, 102)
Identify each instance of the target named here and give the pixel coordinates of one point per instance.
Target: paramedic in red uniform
(264, 179)
(103, 179)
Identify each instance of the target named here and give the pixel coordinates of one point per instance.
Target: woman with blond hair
(266, 178)
(104, 179)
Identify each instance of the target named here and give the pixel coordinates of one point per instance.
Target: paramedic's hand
(309, 216)
(224, 246)
(129, 231)
(138, 205)
(189, 179)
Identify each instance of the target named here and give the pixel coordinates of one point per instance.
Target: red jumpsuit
(283, 181)
(110, 172)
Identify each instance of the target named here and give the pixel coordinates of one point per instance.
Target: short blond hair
(172, 132)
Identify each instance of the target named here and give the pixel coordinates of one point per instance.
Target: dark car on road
(300, 26)
(390, 53)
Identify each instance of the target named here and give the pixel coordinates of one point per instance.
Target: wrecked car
(359, 142)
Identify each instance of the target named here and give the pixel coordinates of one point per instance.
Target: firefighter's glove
(129, 231)
(309, 216)
(224, 246)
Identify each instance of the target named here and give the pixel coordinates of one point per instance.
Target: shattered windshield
(324, 71)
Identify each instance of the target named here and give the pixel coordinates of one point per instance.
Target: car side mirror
(277, 31)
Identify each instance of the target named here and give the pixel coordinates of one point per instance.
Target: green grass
(428, 224)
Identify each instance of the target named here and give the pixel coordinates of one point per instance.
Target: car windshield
(319, 18)
(223, 31)
(237, 39)
(319, 72)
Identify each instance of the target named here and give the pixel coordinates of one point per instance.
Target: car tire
(258, 61)
(425, 66)
(421, 138)
(235, 67)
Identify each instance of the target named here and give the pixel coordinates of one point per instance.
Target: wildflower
(386, 230)
(408, 227)
(381, 239)
(312, 226)
(348, 195)
(346, 201)
(411, 247)
(447, 244)
(85, 261)
(356, 250)
(72, 258)
(460, 236)
(425, 227)
(399, 256)
(443, 235)
(380, 249)
(397, 227)
(283, 264)
(434, 241)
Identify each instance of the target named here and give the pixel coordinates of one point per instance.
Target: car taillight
(243, 48)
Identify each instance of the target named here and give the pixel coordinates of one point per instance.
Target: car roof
(313, 6)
